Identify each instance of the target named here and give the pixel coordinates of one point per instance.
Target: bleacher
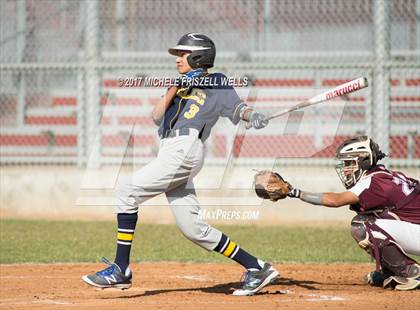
(51, 125)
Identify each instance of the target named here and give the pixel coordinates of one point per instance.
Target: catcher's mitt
(270, 185)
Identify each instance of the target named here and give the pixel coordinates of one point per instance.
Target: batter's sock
(126, 226)
(230, 249)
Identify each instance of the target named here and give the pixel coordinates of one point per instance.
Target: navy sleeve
(231, 103)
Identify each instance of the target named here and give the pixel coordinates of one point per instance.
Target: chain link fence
(70, 72)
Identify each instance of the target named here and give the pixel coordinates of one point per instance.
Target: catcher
(387, 203)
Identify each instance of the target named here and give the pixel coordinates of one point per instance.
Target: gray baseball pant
(179, 159)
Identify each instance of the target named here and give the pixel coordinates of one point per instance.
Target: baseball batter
(387, 203)
(186, 115)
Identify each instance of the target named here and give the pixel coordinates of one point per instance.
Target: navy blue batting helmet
(201, 47)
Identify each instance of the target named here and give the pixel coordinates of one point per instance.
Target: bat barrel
(346, 88)
(338, 91)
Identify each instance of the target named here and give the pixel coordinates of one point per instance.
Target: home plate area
(167, 285)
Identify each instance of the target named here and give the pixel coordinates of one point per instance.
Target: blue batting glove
(294, 193)
(258, 120)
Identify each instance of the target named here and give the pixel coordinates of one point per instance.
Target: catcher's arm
(335, 200)
(332, 200)
(271, 185)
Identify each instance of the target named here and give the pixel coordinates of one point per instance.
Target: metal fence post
(21, 43)
(92, 83)
(267, 24)
(121, 27)
(370, 115)
(81, 119)
(381, 82)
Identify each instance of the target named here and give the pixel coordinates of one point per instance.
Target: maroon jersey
(381, 188)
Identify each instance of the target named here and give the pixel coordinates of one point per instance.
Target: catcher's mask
(201, 47)
(355, 157)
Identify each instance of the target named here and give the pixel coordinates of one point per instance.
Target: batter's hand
(258, 120)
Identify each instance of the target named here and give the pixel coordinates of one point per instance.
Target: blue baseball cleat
(255, 280)
(110, 277)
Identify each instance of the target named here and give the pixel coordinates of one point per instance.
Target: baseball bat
(340, 90)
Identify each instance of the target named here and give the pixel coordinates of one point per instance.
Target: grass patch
(79, 241)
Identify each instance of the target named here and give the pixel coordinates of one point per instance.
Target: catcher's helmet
(201, 47)
(356, 156)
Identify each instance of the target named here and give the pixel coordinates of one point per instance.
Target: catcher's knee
(359, 231)
(389, 254)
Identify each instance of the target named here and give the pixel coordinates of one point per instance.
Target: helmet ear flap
(194, 60)
(191, 62)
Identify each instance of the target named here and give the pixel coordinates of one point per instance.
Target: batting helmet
(356, 156)
(201, 47)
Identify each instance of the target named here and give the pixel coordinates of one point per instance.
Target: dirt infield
(192, 286)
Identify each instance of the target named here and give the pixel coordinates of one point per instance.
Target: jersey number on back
(405, 186)
(198, 96)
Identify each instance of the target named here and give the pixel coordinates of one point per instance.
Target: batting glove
(294, 193)
(258, 120)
